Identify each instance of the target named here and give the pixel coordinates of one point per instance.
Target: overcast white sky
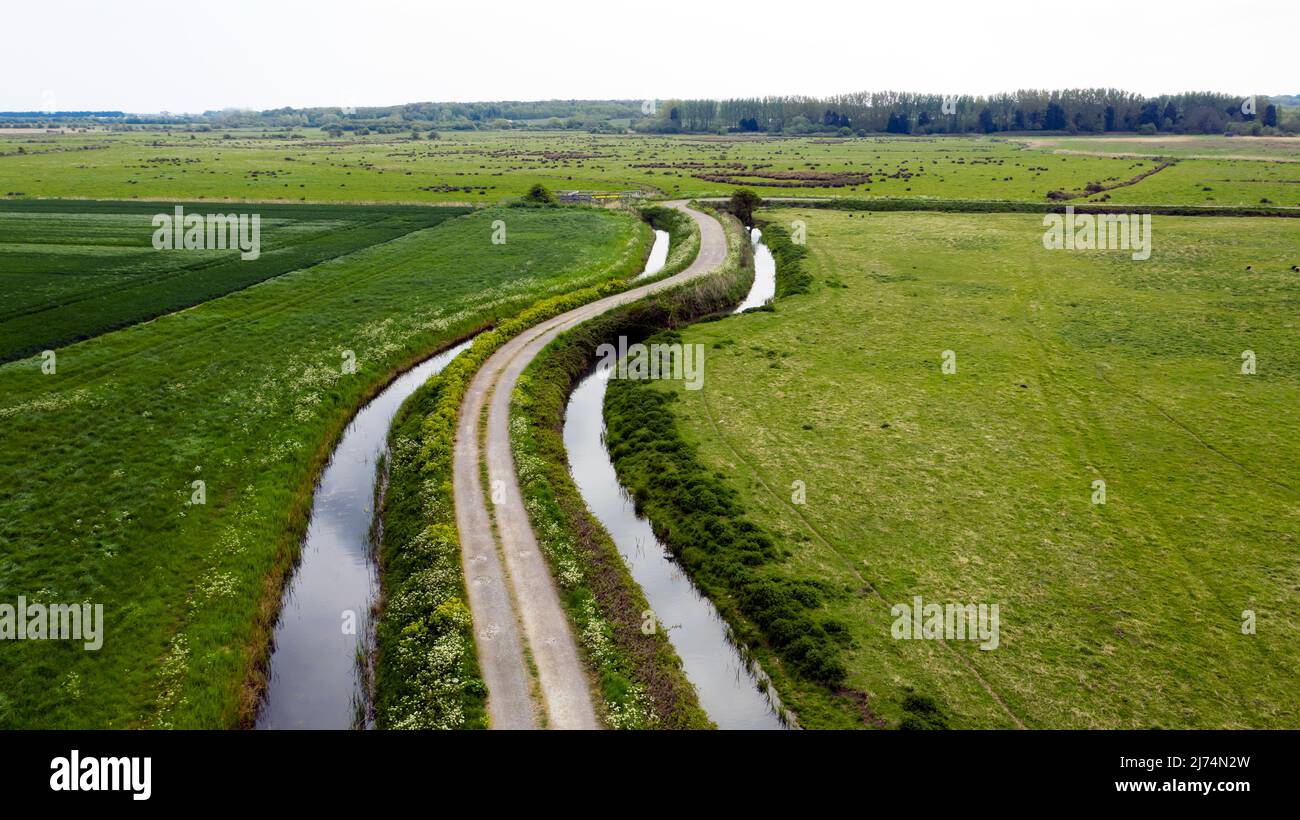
(156, 55)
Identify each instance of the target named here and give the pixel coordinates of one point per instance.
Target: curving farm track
(512, 595)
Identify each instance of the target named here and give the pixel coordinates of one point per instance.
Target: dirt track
(512, 594)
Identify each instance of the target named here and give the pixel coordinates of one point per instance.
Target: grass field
(72, 270)
(1286, 149)
(978, 487)
(182, 366)
(246, 393)
(485, 167)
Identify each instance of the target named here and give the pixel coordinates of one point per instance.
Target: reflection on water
(658, 255)
(315, 679)
(728, 689)
(764, 288)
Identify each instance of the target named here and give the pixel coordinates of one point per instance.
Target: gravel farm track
(518, 620)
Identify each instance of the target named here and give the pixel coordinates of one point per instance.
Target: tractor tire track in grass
(511, 586)
(1194, 583)
(875, 591)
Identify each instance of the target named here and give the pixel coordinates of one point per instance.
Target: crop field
(72, 270)
(245, 393)
(486, 167)
(1169, 600)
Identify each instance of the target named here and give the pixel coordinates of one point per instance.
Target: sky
(147, 56)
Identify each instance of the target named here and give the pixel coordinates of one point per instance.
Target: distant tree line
(1075, 111)
(1087, 110)
(560, 114)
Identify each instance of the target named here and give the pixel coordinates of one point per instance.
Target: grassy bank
(778, 615)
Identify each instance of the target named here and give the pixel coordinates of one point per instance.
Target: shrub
(922, 712)
(538, 195)
(742, 205)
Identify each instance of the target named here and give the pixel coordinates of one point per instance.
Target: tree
(1053, 119)
(986, 121)
(1270, 116)
(1150, 114)
(539, 195)
(743, 203)
(1207, 120)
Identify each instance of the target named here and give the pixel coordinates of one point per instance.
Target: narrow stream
(658, 255)
(728, 687)
(315, 677)
(764, 288)
(733, 692)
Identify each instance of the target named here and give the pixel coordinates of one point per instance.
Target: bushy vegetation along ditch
(697, 514)
(699, 517)
(683, 236)
(426, 673)
(791, 278)
(640, 677)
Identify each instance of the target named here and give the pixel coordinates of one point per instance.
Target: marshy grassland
(484, 167)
